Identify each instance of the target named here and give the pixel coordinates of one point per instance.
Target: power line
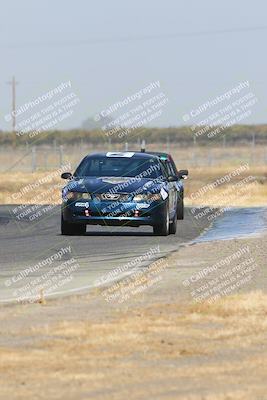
(127, 39)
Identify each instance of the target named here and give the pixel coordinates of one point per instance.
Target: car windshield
(119, 167)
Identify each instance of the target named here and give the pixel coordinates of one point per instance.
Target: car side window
(169, 168)
(173, 166)
(164, 169)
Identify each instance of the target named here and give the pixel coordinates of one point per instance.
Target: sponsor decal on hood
(115, 180)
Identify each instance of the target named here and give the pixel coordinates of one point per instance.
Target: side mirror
(66, 175)
(183, 174)
(172, 178)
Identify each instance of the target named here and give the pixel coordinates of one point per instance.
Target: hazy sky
(48, 42)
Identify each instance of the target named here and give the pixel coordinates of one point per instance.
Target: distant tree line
(185, 136)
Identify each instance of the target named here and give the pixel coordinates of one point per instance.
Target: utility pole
(13, 83)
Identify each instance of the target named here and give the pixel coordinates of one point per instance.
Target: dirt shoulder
(156, 343)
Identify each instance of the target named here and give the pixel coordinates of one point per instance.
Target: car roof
(123, 154)
(164, 157)
(162, 154)
(155, 153)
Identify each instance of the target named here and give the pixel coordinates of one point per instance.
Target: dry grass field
(177, 351)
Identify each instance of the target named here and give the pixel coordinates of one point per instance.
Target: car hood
(114, 185)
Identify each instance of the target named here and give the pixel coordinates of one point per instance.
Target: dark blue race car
(122, 189)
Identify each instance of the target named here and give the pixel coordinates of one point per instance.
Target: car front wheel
(162, 229)
(71, 229)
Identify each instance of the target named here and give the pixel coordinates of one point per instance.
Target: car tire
(173, 225)
(71, 229)
(163, 228)
(180, 209)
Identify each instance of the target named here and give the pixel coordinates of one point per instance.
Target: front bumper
(104, 213)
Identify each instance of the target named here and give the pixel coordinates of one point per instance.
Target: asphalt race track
(24, 244)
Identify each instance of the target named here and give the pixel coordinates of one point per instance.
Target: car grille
(113, 197)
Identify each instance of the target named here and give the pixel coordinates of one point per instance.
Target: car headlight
(147, 197)
(78, 196)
